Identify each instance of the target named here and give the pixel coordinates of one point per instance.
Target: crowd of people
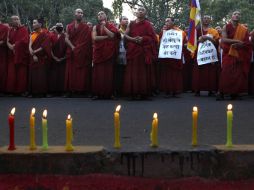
(106, 61)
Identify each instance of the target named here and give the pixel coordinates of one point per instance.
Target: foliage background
(52, 11)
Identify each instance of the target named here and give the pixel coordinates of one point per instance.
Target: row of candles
(117, 144)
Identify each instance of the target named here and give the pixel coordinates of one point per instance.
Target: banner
(194, 20)
(171, 45)
(207, 53)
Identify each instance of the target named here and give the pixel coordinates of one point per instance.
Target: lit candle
(229, 125)
(154, 132)
(32, 130)
(69, 134)
(117, 143)
(194, 141)
(44, 131)
(11, 126)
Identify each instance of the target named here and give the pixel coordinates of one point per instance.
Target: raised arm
(95, 37)
(225, 38)
(133, 39)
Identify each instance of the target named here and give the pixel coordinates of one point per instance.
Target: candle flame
(69, 117)
(195, 108)
(155, 115)
(45, 113)
(118, 108)
(230, 107)
(33, 112)
(13, 111)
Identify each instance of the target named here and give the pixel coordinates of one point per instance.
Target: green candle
(44, 131)
(229, 126)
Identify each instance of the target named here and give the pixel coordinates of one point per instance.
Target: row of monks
(106, 61)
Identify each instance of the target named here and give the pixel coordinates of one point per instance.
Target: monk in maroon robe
(106, 39)
(205, 77)
(236, 58)
(141, 38)
(57, 67)
(171, 81)
(78, 56)
(40, 55)
(3, 56)
(251, 74)
(18, 58)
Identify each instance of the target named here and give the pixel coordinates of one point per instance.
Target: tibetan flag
(194, 22)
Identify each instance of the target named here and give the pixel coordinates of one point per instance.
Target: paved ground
(93, 120)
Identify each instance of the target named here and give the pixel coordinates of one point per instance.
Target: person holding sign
(236, 58)
(206, 69)
(170, 54)
(140, 37)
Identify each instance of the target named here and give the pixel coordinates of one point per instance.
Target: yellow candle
(194, 141)
(69, 134)
(32, 130)
(44, 131)
(229, 125)
(154, 132)
(117, 143)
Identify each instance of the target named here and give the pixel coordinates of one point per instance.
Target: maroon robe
(78, 62)
(137, 79)
(234, 74)
(38, 83)
(171, 80)
(3, 57)
(57, 69)
(251, 74)
(104, 58)
(17, 80)
(205, 77)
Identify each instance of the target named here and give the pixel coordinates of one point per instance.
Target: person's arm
(37, 50)
(67, 40)
(35, 58)
(133, 39)
(225, 39)
(109, 33)
(97, 38)
(30, 47)
(54, 57)
(10, 46)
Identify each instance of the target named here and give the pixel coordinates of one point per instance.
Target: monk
(205, 77)
(78, 56)
(105, 51)
(40, 55)
(236, 59)
(18, 58)
(3, 56)
(251, 74)
(171, 81)
(121, 62)
(57, 66)
(141, 38)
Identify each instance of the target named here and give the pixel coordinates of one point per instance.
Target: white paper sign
(207, 53)
(171, 45)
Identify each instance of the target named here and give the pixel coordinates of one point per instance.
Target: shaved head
(79, 14)
(15, 21)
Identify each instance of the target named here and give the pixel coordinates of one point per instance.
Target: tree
(51, 11)
(220, 10)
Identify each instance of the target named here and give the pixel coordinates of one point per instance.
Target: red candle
(11, 126)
